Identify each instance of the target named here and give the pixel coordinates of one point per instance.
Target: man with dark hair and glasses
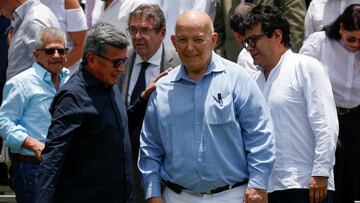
(87, 154)
(24, 114)
(148, 57)
(298, 92)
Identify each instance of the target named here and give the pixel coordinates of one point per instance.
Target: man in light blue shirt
(24, 114)
(207, 130)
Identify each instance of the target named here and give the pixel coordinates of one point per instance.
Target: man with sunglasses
(28, 17)
(24, 115)
(87, 155)
(298, 92)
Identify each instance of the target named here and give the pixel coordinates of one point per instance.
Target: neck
(277, 57)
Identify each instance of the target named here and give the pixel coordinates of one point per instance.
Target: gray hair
(150, 11)
(101, 36)
(49, 33)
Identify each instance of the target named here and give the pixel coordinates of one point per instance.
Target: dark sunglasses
(252, 41)
(51, 51)
(352, 39)
(116, 62)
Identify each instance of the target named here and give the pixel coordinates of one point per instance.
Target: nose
(121, 68)
(56, 53)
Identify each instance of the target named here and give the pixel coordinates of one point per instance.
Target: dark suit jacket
(169, 58)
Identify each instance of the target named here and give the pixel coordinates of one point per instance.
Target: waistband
(343, 111)
(178, 188)
(27, 158)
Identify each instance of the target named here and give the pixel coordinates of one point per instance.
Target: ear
(278, 35)
(90, 58)
(214, 38)
(163, 32)
(173, 40)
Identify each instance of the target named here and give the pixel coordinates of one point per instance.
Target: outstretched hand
(152, 86)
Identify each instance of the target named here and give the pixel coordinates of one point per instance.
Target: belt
(27, 158)
(178, 188)
(342, 111)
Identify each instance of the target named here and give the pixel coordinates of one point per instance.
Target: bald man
(207, 131)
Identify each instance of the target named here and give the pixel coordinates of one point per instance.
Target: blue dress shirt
(25, 108)
(206, 134)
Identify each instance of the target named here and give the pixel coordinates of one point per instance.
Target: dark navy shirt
(87, 155)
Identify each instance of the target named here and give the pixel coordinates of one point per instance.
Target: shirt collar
(89, 79)
(46, 75)
(155, 59)
(214, 67)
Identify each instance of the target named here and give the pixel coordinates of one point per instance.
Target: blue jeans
(23, 180)
(296, 196)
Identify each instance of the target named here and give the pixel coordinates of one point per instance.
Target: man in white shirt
(299, 95)
(149, 57)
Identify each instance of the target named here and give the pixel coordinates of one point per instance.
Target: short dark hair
(238, 15)
(270, 19)
(101, 36)
(350, 19)
(150, 11)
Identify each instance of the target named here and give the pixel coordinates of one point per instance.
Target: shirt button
(197, 105)
(202, 178)
(197, 123)
(199, 160)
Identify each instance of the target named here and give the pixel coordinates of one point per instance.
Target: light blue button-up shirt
(208, 133)
(25, 108)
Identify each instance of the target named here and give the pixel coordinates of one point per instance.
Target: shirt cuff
(16, 140)
(153, 189)
(321, 171)
(259, 182)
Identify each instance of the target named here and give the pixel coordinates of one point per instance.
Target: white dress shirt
(151, 72)
(343, 67)
(302, 107)
(173, 8)
(117, 13)
(324, 12)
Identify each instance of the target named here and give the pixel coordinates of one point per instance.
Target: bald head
(195, 19)
(194, 41)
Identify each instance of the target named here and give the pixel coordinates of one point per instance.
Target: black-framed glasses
(352, 40)
(116, 62)
(142, 31)
(252, 41)
(51, 51)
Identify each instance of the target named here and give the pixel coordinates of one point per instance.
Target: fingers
(162, 74)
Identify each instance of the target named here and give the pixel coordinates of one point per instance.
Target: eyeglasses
(252, 41)
(141, 31)
(51, 51)
(116, 62)
(352, 40)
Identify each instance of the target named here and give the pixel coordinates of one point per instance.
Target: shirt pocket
(221, 111)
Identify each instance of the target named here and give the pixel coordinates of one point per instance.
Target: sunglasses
(51, 51)
(252, 41)
(116, 62)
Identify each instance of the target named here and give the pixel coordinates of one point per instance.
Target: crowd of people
(181, 101)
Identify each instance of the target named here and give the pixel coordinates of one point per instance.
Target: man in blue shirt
(207, 130)
(87, 155)
(24, 114)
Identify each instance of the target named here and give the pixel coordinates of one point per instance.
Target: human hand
(318, 188)
(34, 145)
(154, 200)
(255, 195)
(152, 86)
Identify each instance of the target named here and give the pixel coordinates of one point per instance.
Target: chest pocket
(220, 112)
